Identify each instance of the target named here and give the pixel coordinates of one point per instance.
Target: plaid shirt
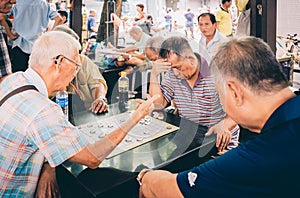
(5, 65)
(33, 129)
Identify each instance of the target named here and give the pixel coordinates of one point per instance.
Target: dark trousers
(19, 59)
(101, 182)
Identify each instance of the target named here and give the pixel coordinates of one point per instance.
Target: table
(160, 153)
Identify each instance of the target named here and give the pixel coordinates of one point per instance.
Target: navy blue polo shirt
(266, 166)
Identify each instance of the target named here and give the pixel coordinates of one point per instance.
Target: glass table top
(155, 153)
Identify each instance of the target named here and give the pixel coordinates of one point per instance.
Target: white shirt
(207, 51)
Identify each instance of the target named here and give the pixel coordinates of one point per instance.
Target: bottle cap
(123, 74)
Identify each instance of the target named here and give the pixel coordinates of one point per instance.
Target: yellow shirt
(224, 20)
(89, 77)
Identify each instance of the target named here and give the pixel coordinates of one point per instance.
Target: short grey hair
(50, 45)
(251, 61)
(154, 43)
(177, 44)
(135, 30)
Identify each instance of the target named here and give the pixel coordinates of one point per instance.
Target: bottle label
(123, 85)
(62, 102)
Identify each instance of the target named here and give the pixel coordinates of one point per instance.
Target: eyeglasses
(76, 64)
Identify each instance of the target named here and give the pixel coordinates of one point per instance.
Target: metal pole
(109, 23)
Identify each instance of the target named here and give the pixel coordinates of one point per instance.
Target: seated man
(255, 93)
(141, 39)
(135, 50)
(142, 63)
(188, 83)
(90, 86)
(34, 129)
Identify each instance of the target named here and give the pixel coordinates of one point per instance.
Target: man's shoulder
(219, 36)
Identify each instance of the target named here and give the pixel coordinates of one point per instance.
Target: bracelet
(142, 174)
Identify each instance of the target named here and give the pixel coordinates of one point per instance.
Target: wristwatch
(142, 174)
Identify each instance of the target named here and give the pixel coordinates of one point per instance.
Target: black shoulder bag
(18, 90)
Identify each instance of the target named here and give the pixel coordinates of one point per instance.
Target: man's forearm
(160, 184)
(99, 92)
(154, 89)
(229, 123)
(102, 148)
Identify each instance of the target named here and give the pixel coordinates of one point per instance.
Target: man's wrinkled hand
(222, 133)
(47, 185)
(99, 105)
(144, 107)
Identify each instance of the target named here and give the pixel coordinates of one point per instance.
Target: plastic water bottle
(123, 84)
(62, 101)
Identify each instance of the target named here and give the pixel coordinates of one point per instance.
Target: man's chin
(5, 11)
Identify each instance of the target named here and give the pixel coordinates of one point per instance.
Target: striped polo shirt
(200, 103)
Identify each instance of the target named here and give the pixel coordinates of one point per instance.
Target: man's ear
(235, 91)
(58, 59)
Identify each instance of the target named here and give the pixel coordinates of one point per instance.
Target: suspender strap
(18, 90)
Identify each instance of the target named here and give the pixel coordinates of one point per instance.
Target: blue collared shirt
(265, 166)
(30, 21)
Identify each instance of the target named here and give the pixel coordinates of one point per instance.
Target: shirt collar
(288, 111)
(36, 80)
(223, 9)
(203, 71)
(216, 38)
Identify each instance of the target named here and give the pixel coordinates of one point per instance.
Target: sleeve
(218, 15)
(199, 181)
(167, 87)
(95, 78)
(52, 13)
(92, 24)
(220, 176)
(5, 65)
(56, 138)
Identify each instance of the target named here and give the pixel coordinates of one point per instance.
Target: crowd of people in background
(225, 84)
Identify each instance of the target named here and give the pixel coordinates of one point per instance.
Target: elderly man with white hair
(34, 129)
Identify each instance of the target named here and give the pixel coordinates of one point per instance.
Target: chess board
(149, 128)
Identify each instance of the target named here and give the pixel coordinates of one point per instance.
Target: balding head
(136, 33)
(153, 46)
(250, 61)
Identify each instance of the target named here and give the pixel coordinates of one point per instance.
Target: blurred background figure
(64, 15)
(141, 13)
(189, 24)
(31, 19)
(224, 18)
(92, 22)
(168, 20)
